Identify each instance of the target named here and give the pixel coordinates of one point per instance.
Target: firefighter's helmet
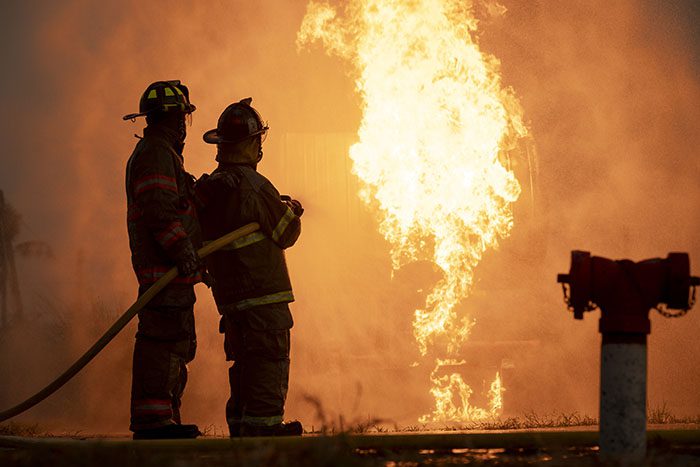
(238, 122)
(164, 96)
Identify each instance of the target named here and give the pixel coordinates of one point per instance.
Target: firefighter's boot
(293, 428)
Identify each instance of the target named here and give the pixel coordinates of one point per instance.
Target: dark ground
(516, 447)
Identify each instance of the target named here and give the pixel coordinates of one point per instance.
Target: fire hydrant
(625, 292)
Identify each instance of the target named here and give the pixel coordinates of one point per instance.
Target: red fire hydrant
(625, 291)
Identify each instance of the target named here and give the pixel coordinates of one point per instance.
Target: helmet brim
(190, 108)
(212, 137)
(133, 116)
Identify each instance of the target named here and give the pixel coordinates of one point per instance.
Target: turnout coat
(161, 216)
(251, 271)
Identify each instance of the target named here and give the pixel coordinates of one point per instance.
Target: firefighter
(251, 283)
(163, 232)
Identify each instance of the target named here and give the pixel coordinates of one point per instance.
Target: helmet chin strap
(260, 150)
(182, 129)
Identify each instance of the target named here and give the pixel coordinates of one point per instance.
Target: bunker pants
(257, 341)
(165, 343)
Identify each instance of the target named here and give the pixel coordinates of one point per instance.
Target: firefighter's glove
(186, 258)
(208, 279)
(295, 206)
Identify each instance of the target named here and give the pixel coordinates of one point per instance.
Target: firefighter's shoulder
(157, 153)
(255, 179)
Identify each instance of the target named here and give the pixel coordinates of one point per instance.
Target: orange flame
(452, 396)
(435, 119)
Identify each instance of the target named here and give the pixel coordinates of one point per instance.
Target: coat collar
(171, 136)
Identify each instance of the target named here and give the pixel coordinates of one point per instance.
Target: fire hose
(116, 328)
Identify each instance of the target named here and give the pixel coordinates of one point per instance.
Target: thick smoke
(613, 94)
(613, 98)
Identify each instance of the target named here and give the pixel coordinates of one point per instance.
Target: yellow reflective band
(177, 90)
(258, 421)
(279, 297)
(167, 107)
(169, 92)
(244, 241)
(282, 225)
(152, 95)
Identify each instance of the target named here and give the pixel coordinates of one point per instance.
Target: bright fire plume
(435, 119)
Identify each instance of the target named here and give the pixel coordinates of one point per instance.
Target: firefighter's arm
(156, 193)
(277, 219)
(209, 187)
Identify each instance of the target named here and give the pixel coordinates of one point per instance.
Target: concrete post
(623, 397)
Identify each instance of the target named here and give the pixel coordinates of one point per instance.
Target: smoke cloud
(612, 96)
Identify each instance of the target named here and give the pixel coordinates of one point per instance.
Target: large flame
(435, 119)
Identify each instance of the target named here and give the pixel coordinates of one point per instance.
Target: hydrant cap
(676, 292)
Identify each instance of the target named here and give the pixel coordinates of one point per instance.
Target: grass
(659, 415)
(662, 415)
(529, 420)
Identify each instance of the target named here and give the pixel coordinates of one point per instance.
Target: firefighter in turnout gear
(163, 232)
(251, 286)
